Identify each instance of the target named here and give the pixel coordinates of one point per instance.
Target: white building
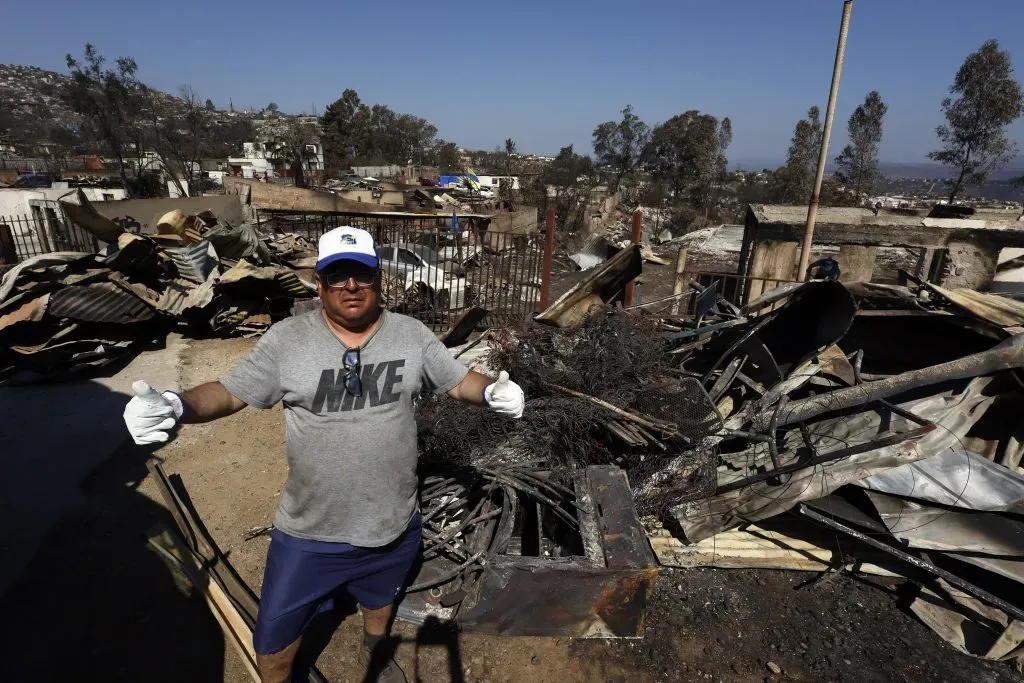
(35, 218)
(18, 201)
(257, 160)
(494, 181)
(254, 162)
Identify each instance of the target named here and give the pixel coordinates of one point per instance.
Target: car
(422, 270)
(446, 250)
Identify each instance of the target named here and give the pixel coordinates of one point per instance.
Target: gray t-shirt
(351, 460)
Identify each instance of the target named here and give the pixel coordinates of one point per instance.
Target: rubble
(881, 413)
(871, 419)
(70, 310)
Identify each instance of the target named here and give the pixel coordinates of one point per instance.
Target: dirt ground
(97, 604)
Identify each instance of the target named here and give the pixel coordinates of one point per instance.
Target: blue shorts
(302, 576)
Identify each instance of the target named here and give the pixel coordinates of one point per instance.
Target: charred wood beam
(984, 363)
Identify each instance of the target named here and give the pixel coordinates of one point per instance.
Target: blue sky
(545, 73)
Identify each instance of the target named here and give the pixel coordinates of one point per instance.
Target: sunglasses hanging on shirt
(350, 363)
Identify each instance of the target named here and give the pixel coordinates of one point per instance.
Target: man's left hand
(505, 396)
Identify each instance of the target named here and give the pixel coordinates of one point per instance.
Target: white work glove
(505, 396)
(150, 414)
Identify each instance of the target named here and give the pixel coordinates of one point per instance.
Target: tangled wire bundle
(611, 355)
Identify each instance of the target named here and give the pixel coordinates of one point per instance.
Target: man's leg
(384, 573)
(296, 583)
(277, 667)
(375, 621)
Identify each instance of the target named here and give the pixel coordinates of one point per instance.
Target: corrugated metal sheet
(101, 302)
(30, 311)
(195, 262)
(286, 279)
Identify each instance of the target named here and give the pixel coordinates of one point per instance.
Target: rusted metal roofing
(100, 302)
(996, 309)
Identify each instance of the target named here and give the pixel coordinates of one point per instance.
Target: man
(348, 516)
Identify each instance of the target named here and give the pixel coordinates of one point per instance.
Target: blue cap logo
(348, 239)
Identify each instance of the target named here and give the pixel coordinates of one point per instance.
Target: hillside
(29, 94)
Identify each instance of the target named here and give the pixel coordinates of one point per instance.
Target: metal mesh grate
(686, 404)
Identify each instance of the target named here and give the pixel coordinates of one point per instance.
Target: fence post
(42, 234)
(549, 252)
(677, 288)
(638, 230)
(8, 254)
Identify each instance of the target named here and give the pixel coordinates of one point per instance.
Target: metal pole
(812, 209)
(549, 252)
(951, 578)
(680, 284)
(638, 230)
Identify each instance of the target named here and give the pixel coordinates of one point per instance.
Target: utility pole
(830, 114)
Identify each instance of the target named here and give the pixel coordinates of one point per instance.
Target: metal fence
(433, 273)
(46, 230)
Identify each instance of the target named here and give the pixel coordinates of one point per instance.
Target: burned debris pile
(598, 393)
(823, 426)
(884, 415)
(198, 276)
(72, 310)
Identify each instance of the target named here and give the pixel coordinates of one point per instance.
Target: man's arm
(471, 388)
(208, 402)
(502, 395)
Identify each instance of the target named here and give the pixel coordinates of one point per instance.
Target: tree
(112, 101)
(508, 168)
(227, 138)
(178, 134)
(446, 157)
(622, 145)
(571, 178)
(794, 182)
(354, 131)
(338, 126)
(209, 105)
(688, 157)
(858, 162)
(291, 149)
(988, 99)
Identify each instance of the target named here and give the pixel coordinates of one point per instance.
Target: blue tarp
(455, 179)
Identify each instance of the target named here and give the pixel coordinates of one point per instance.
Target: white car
(420, 267)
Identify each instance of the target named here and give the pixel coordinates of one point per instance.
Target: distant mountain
(931, 170)
(893, 169)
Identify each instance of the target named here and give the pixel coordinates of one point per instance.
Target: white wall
(253, 168)
(15, 201)
(494, 181)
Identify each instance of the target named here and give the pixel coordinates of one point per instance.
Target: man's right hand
(150, 414)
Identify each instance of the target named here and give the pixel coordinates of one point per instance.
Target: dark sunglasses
(353, 385)
(338, 278)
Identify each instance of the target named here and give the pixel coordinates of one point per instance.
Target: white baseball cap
(349, 243)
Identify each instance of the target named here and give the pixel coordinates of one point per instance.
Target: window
(386, 253)
(408, 258)
(494, 181)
